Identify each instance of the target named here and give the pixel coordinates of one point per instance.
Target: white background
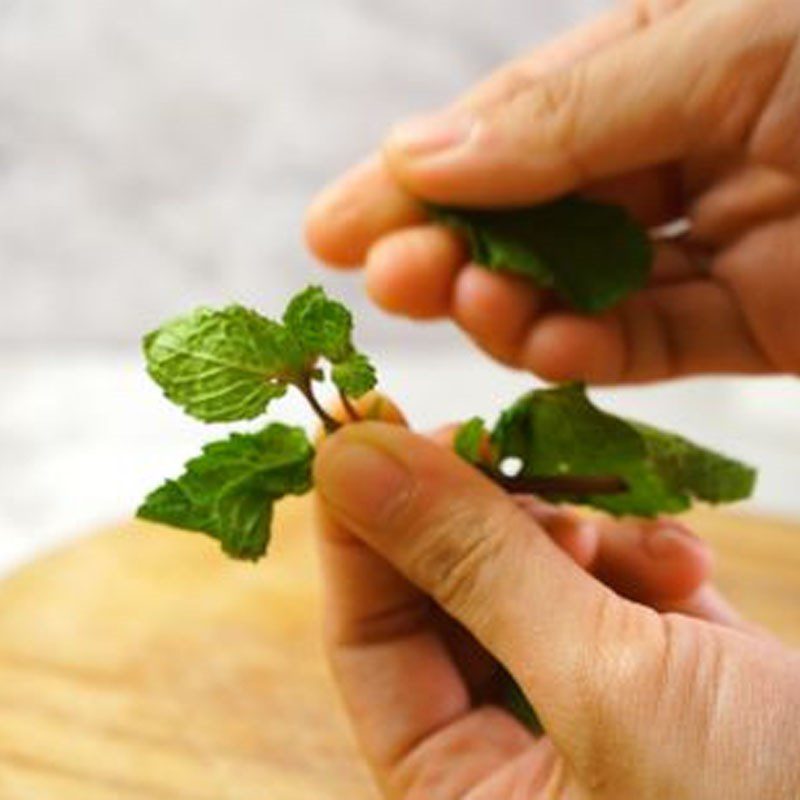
(159, 154)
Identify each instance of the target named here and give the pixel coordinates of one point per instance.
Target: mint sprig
(230, 364)
(591, 254)
(568, 449)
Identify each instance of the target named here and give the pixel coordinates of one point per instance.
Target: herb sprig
(230, 364)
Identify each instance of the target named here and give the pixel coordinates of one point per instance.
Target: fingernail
(361, 480)
(434, 134)
(666, 541)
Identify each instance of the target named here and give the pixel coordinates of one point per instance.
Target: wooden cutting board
(141, 663)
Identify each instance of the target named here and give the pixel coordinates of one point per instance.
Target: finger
(379, 628)
(741, 201)
(761, 269)
(419, 273)
(663, 332)
(349, 216)
(412, 272)
(496, 311)
(379, 631)
(461, 540)
(652, 196)
(654, 562)
(774, 139)
(598, 117)
(569, 531)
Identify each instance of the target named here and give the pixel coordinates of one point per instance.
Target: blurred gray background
(159, 154)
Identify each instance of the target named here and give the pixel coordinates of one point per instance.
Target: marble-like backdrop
(159, 153)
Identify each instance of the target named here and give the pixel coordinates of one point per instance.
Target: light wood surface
(140, 663)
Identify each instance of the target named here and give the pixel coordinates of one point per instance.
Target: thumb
(469, 546)
(643, 101)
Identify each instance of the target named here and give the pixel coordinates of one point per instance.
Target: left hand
(433, 579)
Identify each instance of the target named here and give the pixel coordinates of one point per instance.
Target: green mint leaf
(322, 326)
(468, 440)
(229, 490)
(221, 366)
(559, 432)
(591, 254)
(354, 376)
(712, 477)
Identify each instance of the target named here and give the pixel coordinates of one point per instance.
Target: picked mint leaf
(221, 366)
(355, 376)
(229, 490)
(591, 254)
(559, 433)
(469, 438)
(321, 325)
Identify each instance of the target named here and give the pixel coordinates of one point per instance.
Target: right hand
(678, 108)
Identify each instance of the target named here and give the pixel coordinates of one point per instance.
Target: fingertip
(372, 407)
(412, 272)
(563, 347)
(668, 541)
(348, 216)
(328, 230)
(658, 561)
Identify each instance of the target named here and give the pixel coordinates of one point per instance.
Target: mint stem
(559, 485)
(331, 425)
(349, 407)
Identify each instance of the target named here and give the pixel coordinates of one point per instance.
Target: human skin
(647, 684)
(673, 109)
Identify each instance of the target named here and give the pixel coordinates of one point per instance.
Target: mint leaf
(354, 376)
(712, 477)
(321, 326)
(591, 254)
(225, 365)
(229, 490)
(324, 327)
(469, 439)
(558, 432)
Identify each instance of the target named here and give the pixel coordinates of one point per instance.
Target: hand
(434, 575)
(676, 109)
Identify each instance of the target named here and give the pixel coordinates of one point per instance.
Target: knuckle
(455, 554)
(549, 108)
